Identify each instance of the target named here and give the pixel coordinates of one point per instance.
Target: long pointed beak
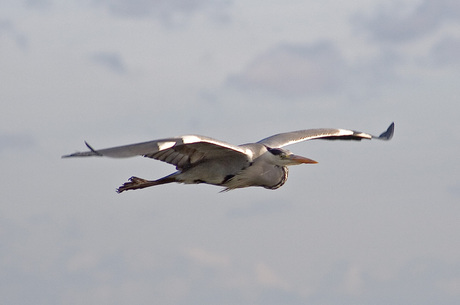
(301, 160)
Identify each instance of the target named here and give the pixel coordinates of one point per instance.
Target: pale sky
(372, 223)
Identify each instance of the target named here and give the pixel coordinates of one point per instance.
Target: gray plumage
(200, 159)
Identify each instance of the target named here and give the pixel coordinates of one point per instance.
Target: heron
(200, 159)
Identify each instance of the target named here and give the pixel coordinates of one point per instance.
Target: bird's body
(200, 159)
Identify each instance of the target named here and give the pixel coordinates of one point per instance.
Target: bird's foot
(134, 183)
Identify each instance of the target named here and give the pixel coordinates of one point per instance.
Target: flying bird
(200, 159)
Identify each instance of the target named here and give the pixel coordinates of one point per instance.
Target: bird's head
(284, 157)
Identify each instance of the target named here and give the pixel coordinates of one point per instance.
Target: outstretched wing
(180, 151)
(283, 139)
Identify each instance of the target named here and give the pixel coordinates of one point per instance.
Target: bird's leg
(135, 183)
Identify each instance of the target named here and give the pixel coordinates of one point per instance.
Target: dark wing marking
(283, 139)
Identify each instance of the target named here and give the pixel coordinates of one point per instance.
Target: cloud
(207, 258)
(16, 142)
(111, 61)
(353, 281)
(8, 30)
(294, 70)
(454, 190)
(267, 277)
(291, 70)
(450, 286)
(392, 25)
(38, 3)
(446, 52)
(168, 11)
(83, 261)
(420, 281)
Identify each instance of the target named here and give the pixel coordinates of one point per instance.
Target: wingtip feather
(92, 152)
(388, 134)
(92, 149)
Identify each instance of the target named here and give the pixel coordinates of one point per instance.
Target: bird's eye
(277, 152)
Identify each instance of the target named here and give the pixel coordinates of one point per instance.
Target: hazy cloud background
(372, 223)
